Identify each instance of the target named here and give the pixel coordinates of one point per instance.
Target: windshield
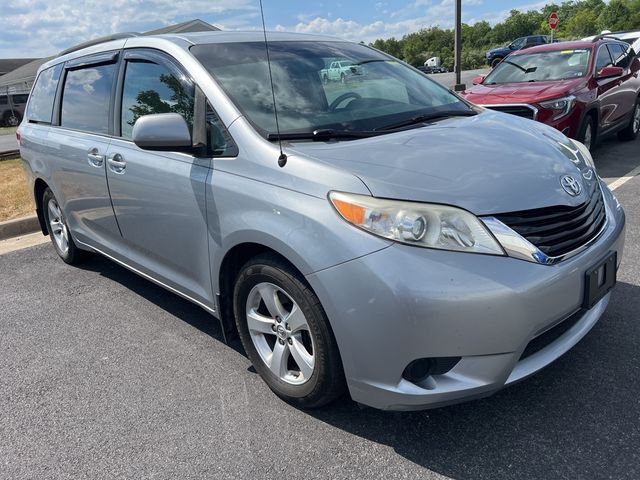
(340, 86)
(540, 67)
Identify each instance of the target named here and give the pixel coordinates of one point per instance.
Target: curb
(9, 154)
(19, 226)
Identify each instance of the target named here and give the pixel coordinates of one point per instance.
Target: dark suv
(495, 55)
(12, 109)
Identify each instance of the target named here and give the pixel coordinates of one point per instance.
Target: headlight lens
(561, 106)
(420, 224)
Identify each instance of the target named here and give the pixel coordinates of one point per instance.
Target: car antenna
(282, 159)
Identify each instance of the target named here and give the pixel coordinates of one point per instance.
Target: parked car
(632, 37)
(340, 71)
(495, 55)
(431, 70)
(587, 90)
(12, 109)
(343, 255)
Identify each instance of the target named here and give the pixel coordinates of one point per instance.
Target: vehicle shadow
(615, 158)
(579, 418)
(171, 303)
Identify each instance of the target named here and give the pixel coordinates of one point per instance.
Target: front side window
(376, 90)
(517, 44)
(86, 98)
(152, 88)
(40, 107)
(603, 59)
(540, 67)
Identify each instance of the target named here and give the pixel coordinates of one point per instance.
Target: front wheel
(495, 62)
(286, 334)
(59, 230)
(587, 132)
(631, 131)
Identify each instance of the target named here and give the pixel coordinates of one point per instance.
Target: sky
(37, 28)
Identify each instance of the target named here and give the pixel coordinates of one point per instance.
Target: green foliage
(578, 19)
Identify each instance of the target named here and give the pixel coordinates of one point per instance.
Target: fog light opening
(419, 371)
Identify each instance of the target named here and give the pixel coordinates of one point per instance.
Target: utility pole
(459, 86)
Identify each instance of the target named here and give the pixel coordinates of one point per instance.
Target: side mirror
(478, 80)
(162, 132)
(608, 72)
(512, 46)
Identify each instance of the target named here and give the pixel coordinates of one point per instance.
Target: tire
(12, 119)
(495, 62)
(630, 132)
(293, 327)
(587, 132)
(59, 230)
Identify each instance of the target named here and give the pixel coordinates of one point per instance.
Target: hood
(501, 50)
(523, 92)
(490, 163)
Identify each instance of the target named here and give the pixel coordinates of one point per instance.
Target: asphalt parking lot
(105, 375)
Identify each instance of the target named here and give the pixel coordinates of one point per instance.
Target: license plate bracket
(599, 280)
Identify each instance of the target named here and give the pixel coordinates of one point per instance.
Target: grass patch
(8, 130)
(15, 200)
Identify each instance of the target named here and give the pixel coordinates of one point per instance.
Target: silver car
(404, 245)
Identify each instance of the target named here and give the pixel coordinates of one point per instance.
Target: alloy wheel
(280, 333)
(588, 136)
(636, 119)
(59, 229)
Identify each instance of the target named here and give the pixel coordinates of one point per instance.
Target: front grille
(518, 110)
(559, 230)
(551, 335)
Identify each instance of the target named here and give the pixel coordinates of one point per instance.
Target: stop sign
(553, 20)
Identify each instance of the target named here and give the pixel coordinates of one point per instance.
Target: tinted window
(19, 98)
(603, 59)
(86, 97)
(40, 106)
(619, 54)
(152, 88)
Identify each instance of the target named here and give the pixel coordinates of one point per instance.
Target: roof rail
(97, 41)
(606, 35)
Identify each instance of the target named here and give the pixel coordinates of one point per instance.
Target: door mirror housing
(162, 132)
(608, 72)
(478, 80)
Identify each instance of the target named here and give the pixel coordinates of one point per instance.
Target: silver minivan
(379, 235)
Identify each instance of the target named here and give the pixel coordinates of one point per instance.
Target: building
(15, 85)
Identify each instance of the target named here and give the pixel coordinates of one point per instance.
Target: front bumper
(404, 303)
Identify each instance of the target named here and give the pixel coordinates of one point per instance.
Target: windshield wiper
(322, 134)
(425, 117)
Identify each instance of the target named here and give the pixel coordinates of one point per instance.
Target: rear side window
(40, 107)
(152, 88)
(86, 97)
(621, 55)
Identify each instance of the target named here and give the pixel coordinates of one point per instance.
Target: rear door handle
(116, 163)
(94, 158)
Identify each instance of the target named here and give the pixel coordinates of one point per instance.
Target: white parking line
(622, 180)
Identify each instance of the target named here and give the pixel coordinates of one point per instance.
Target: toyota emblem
(571, 185)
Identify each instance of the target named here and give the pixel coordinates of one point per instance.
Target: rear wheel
(12, 119)
(59, 230)
(631, 131)
(286, 334)
(587, 132)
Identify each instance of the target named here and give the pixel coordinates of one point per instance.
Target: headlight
(586, 154)
(420, 224)
(561, 106)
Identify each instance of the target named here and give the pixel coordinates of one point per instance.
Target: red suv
(584, 89)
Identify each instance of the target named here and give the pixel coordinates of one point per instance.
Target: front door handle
(94, 158)
(116, 163)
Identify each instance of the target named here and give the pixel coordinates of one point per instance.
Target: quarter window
(151, 88)
(86, 98)
(620, 55)
(40, 107)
